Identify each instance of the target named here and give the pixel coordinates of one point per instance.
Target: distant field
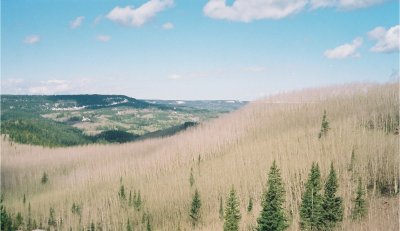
(83, 118)
(83, 184)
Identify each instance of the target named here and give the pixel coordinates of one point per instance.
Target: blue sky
(203, 49)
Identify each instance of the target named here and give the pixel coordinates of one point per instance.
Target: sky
(199, 49)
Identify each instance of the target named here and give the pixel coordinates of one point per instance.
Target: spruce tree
(52, 220)
(332, 205)
(6, 219)
(195, 208)
(19, 221)
(121, 192)
(45, 178)
(232, 212)
(221, 209)
(311, 211)
(148, 225)
(324, 126)
(191, 178)
(272, 215)
(128, 226)
(250, 205)
(360, 205)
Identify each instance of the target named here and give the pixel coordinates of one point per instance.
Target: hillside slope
(236, 149)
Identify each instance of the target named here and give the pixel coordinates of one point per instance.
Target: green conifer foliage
(195, 213)
(272, 215)
(324, 126)
(311, 211)
(250, 205)
(360, 205)
(232, 212)
(332, 205)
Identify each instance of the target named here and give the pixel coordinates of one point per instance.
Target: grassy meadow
(236, 149)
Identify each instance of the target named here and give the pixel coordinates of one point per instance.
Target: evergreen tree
(360, 205)
(130, 198)
(195, 208)
(45, 178)
(121, 192)
(250, 205)
(311, 211)
(232, 212)
(52, 220)
(19, 221)
(138, 201)
(272, 215)
(324, 126)
(148, 225)
(191, 178)
(128, 226)
(6, 219)
(92, 226)
(352, 161)
(24, 200)
(332, 205)
(29, 224)
(221, 209)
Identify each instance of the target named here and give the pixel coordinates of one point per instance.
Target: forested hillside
(305, 152)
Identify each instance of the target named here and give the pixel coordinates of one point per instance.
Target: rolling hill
(84, 184)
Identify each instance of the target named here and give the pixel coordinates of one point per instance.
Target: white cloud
(387, 40)
(249, 10)
(77, 22)
(168, 26)
(255, 69)
(32, 39)
(174, 76)
(103, 38)
(52, 86)
(345, 50)
(136, 17)
(98, 19)
(344, 4)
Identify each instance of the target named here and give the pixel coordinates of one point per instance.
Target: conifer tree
(324, 126)
(191, 178)
(311, 211)
(29, 224)
(128, 226)
(272, 215)
(52, 220)
(24, 200)
(250, 205)
(121, 192)
(138, 201)
(360, 205)
(19, 221)
(6, 219)
(221, 209)
(195, 208)
(332, 205)
(148, 225)
(232, 212)
(45, 178)
(92, 226)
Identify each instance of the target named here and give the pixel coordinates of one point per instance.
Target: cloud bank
(345, 50)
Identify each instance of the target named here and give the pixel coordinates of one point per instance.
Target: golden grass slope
(236, 149)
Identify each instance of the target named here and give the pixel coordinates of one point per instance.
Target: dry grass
(236, 149)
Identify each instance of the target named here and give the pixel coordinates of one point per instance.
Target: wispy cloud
(345, 50)
(32, 39)
(386, 40)
(77, 22)
(344, 4)
(249, 10)
(136, 17)
(103, 38)
(168, 26)
(174, 76)
(255, 69)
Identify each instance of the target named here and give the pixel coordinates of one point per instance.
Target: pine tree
(138, 201)
(130, 198)
(128, 226)
(52, 219)
(148, 225)
(232, 212)
(311, 210)
(29, 224)
(352, 161)
(121, 192)
(324, 126)
(272, 215)
(191, 178)
(19, 221)
(250, 205)
(360, 205)
(24, 200)
(6, 219)
(92, 226)
(332, 205)
(195, 208)
(45, 178)
(221, 209)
